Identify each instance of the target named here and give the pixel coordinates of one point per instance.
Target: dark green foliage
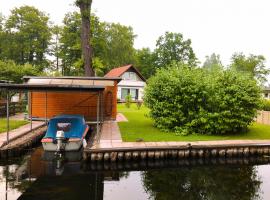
(13, 72)
(112, 45)
(26, 37)
(266, 105)
(170, 47)
(145, 62)
(190, 100)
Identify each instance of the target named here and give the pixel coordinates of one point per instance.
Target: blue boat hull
(74, 134)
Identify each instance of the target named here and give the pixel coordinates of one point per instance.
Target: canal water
(40, 176)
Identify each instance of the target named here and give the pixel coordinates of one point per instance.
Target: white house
(266, 92)
(132, 82)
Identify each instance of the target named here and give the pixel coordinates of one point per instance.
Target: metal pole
(46, 107)
(7, 175)
(7, 117)
(31, 118)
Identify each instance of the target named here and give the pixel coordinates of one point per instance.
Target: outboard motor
(60, 140)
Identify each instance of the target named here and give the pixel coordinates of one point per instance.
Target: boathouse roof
(65, 83)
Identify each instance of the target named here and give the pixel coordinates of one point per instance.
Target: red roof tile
(117, 72)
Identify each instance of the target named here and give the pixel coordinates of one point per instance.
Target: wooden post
(7, 117)
(98, 99)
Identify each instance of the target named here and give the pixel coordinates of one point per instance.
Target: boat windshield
(63, 126)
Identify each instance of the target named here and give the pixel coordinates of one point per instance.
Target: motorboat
(65, 133)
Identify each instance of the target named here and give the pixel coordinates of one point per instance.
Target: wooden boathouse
(87, 96)
(93, 97)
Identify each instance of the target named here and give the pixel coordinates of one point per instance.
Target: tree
(119, 48)
(28, 35)
(1, 22)
(55, 47)
(85, 8)
(212, 63)
(70, 45)
(252, 64)
(145, 62)
(112, 45)
(10, 71)
(172, 47)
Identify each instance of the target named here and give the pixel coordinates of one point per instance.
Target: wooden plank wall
(263, 117)
(83, 103)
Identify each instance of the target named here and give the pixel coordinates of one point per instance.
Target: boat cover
(72, 125)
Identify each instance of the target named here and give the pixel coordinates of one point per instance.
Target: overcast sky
(214, 26)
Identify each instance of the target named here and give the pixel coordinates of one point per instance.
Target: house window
(132, 91)
(265, 95)
(124, 93)
(130, 76)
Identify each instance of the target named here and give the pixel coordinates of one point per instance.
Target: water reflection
(41, 176)
(221, 182)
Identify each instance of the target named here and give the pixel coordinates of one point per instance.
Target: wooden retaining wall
(142, 165)
(263, 117)
(178, 153)
(20, 145)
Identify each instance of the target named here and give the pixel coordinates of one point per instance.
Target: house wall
(266, 94)
(83, 103)
(131, 84)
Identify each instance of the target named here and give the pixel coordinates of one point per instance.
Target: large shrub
(191, 100)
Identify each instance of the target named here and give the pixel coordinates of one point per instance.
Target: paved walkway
(111, 139)
(18, 116)
(14, 134)
(121, 118)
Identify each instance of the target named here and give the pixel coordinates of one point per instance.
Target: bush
(139, 104)
(190, 100)
(128, 101)
(266, 105)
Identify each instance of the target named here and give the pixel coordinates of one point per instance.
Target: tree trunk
(85, 8)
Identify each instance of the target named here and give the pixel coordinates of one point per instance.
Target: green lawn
(13, 124)
(140, 126)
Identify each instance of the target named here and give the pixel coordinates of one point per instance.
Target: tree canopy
(112, 45)
(145, 62)
(26, 37)
(12, 72)
(212, 63)
(252, 64)
(172, 47)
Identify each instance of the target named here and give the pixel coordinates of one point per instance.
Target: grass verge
(13, 124)
(139, 126)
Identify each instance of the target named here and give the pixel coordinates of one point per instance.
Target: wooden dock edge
(177, 152)
(18, 146)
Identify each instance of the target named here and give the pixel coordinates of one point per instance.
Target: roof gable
(119, 71)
